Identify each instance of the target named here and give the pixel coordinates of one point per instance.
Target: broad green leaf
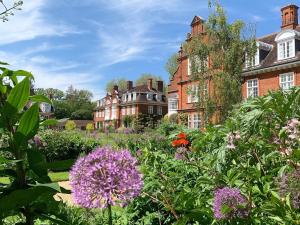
(54, 186)
(40, 99)
(28, 126)
(22, 73)
(36, 161)
(60, 165)
(55, 220)
(49, 122)
(3, 63)
(17, 98)
(20, 198)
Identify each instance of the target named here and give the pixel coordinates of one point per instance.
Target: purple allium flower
(229, 203)
(181, 153)
(289, 183)
(105, 177)
(292, 129)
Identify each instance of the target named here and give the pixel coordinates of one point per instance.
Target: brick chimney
(197, 26)
(289, 16)
(149, 83)
(115, 88)
(160, 85)
(129, 85)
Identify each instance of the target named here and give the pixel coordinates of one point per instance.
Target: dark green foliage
(20, 160)
(82, 114)
(172, 65)
(63, 145)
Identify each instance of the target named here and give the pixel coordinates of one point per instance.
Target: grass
(54, 176)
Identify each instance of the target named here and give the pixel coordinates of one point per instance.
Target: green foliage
(219, 58)
(143, 78)
(70, 125)
(8, 10)
(82, 114)
(172, 65)
(63, 145)
(89, 127)
(120, 82)
(128, 121)
(30, 186)
(52, 93)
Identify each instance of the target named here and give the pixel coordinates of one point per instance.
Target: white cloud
(30, 23)
(256, 18)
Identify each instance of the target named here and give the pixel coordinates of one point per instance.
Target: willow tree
(217, 57)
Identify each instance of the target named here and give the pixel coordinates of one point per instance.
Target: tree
(55, 94)
(144, 78)
(121, 82)
(8, 10)
(172, 65)
(82, 114)
(219, 57)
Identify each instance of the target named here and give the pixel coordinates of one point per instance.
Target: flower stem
(109, 214)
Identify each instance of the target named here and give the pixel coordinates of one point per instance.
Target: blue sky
(85, 43)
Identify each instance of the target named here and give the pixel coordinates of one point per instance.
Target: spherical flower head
(37, 141)
(181, 153)
(105, 177)
(229, 203)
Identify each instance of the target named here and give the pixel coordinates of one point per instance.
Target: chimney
(160, 85)
(289, 16)
(149, 83)
(197, 26)
(129, 85)
(115, 88)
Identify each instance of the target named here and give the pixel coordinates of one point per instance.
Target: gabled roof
(197, 19)
(271, 58)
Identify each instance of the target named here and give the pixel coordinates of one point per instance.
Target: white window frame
(133, 110)
(149, 96)
(159, 110)
(128, 110)
(150, 109)
(189, 94)
(286, 84)
(196, 121)
(195, 93)
(129, 97)
(134, 96)
(107, 114)
(286, 49)
(252, 88)
(252, 62)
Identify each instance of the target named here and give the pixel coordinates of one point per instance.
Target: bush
(62, 145)
(70, 125)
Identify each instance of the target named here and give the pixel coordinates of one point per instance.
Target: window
(134, 96)
(150, 109)
(123, 111)
(129, 97)
(286, 80)
(133, 110)
(254, 61)
(252, 88)
(189, 92)
(195, 93)
(158, 97)
(196, 121)
(190, 121)
(173, 104)
(189, 67)
(150, 96)
(113, 113)
(286, 49)
(107, 114)
(159, 110)
(128, 110)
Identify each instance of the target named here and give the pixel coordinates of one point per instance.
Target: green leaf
(17, 98)
(36, 161)
(49, 122)
(55, 220)
(54, 186)
(20, 198)
(40, 99)
(28, 127)
(3, 63)
(60, 165)
(23, 73)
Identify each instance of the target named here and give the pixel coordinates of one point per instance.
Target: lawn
(54, 176)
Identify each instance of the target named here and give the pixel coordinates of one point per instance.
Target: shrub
(70, 125)
(89, 127)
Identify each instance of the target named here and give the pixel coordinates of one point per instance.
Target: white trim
(248, 96)
(286, 74)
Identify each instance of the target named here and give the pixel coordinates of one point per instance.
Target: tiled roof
(271, 58)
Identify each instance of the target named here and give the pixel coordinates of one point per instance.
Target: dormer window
(286, 43)
(134, 96)
(286, 49)
(252, 61)
(149, 96)
(158, 97)
(129, 97)
(262, 50)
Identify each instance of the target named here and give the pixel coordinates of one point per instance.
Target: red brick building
(277, 60)
(143, 99)
(275, 65)
(182, 90)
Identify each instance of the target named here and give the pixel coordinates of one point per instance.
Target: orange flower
(182, 136)
(180, 143)
(175, 143)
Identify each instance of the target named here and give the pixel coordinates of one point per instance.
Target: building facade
(183, 91)
(134, 101)
(277, 60)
